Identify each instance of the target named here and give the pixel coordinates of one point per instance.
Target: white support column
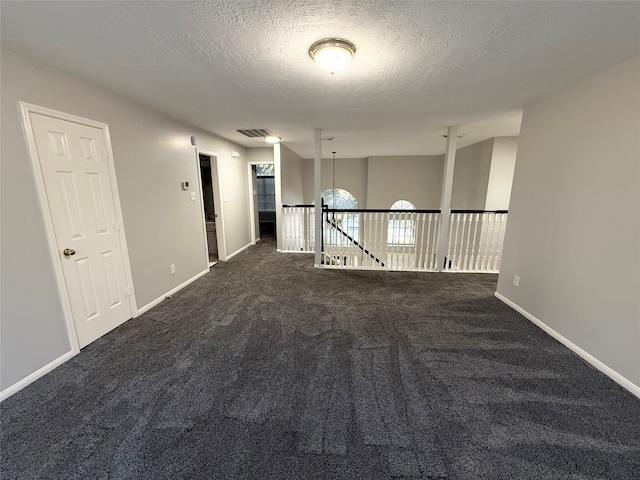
(445, 199)
(317, 186)
(277, 172)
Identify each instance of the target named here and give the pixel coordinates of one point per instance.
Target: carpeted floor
(270, 369)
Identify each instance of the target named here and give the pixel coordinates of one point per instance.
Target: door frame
(54, 249)
(217, 204)
(253, 209)
(253, 212)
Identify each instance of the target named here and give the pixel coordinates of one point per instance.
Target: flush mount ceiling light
(332, 54)
(271, 139)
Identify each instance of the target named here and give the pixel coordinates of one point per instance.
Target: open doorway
(208, 201)
(264, 178)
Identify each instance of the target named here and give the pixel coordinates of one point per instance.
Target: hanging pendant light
(332, 54)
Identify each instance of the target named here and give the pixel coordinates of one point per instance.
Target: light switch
(193, 196)
(226, 198)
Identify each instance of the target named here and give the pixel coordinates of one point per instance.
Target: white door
(75, 169)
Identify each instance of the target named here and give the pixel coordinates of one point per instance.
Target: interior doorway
(209, 205)
(264, 174)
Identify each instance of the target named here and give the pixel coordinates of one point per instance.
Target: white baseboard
(238, 251)
(16, 387)
(611, 373)
(155, 302)
(63, 358)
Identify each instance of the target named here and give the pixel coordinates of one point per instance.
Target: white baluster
(475, 219)
(434, 221)
(454, 240)
(420, 246)
(493, 221)
(448, 259)
(503, 221)
(466, 253)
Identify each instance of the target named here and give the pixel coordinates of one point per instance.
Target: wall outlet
(516, 280)
(172, 268)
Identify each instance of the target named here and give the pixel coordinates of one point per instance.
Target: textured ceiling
(419, 66)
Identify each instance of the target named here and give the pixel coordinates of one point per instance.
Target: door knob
(68, 252)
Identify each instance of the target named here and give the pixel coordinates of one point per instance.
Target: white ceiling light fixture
(332, 54)
(272, 139)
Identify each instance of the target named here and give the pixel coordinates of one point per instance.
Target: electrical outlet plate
(172, 268)
(516, 280)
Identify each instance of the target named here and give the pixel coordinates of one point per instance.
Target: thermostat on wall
(185, 185)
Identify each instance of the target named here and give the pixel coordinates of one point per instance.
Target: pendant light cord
(333, 186)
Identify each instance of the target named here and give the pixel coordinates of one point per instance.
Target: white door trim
(252, 204)
(25, 110)
(217, 203)
(201, 197)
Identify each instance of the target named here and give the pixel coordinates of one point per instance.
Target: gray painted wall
(152, 154)
(259, 155)
(377, 182)
(573, 234)
(471, 176)
(503, 163)
(482, 176)
(414, 178)
(292, 167)
(351, 175)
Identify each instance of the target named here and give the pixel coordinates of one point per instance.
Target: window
(347, 222)
(401, 229)
(266, 187)
(265, 170)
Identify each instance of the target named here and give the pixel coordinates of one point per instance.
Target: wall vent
(255, 132)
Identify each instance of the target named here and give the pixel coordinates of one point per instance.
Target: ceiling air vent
(255, 132)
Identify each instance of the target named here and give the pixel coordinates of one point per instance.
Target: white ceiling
(419, 66)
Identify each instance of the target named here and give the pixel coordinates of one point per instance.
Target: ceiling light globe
(332, 54)
(272, 139)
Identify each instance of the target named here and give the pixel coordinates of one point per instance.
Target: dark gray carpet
(270, 369)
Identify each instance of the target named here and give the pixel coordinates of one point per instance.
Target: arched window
(344, 225)
(401, 229)
(339, 198)
(403, 205)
